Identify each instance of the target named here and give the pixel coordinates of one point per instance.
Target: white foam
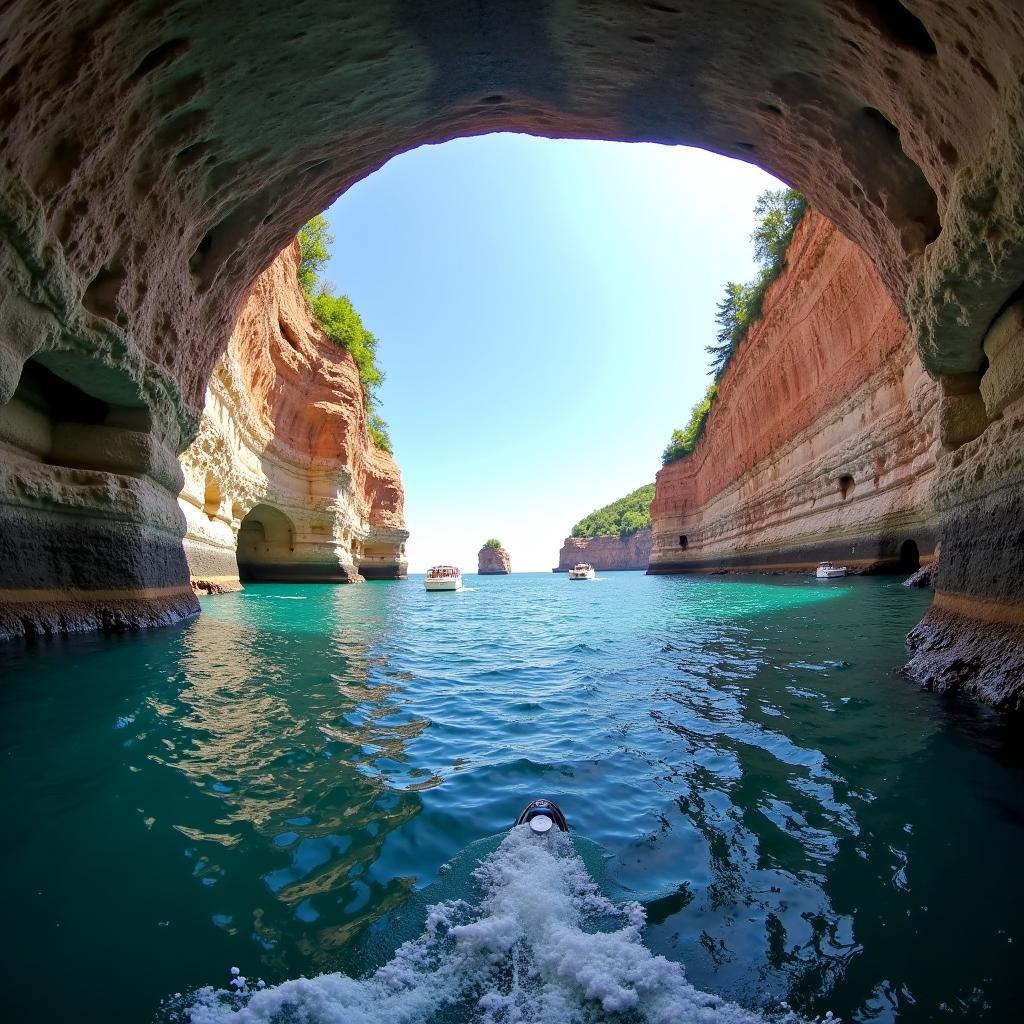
(542, 945)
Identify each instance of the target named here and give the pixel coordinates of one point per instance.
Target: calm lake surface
(270, 785)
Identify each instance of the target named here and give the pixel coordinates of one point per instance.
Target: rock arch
(147, 182)
(151, 183)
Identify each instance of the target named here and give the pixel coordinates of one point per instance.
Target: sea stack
(493, 559)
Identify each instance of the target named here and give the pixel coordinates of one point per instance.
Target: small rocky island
(493, 560)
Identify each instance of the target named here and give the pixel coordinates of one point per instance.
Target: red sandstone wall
(828, 326)
(307, 390)
(826, 385)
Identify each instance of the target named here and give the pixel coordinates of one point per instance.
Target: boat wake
(540, 944)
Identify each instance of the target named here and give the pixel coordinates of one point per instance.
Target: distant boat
(582, 571)
(443, 577)
(828, 571)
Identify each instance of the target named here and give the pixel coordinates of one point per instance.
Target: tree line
(621, 518)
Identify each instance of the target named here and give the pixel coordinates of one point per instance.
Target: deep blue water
(267, 785)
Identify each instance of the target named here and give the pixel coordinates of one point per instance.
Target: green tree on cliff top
(315, 241)
(493, 542)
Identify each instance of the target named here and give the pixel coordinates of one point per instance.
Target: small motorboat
(582, 571)
(828, 571)
(542, 816)
(443, 577)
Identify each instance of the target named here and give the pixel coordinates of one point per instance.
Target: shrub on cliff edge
(778, 212)
(493, 542)
(315, 241)
(339, 320)
(377, 428)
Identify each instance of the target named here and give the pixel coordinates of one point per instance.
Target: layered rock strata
(607, 553)
(823, 440)
(491, 561)
(90, 533)
(283, 482)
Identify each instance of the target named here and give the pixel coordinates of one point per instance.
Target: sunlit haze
(542, 309)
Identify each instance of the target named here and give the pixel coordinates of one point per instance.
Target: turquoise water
(277, 784)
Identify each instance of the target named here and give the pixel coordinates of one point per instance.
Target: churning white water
(541, 944)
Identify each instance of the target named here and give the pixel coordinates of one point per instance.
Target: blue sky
(542, 308)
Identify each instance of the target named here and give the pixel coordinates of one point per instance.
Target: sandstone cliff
(283, 471)
(607, 553)
(824, 438)
(492, 561)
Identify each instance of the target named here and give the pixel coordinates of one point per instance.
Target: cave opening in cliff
(266, 545)
(910, 556)
(98, 423)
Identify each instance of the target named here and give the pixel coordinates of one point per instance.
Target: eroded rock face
(607, 553)
(283, 472)
(822, 442)
(924, 578)
(972, 639)
(493, 562)
(90, 533)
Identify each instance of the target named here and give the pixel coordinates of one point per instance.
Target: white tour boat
(828, 571)
(582, 571)
(443, 577)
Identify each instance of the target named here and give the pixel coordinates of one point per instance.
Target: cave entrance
(266, 546)
(99, 423)
(378, 560)
(910, 556)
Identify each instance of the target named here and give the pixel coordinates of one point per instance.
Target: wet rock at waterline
(924, 577)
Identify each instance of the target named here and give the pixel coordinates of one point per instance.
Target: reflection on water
(299, 728)
(261, 785)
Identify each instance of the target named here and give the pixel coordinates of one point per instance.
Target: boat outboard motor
(543, 815)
